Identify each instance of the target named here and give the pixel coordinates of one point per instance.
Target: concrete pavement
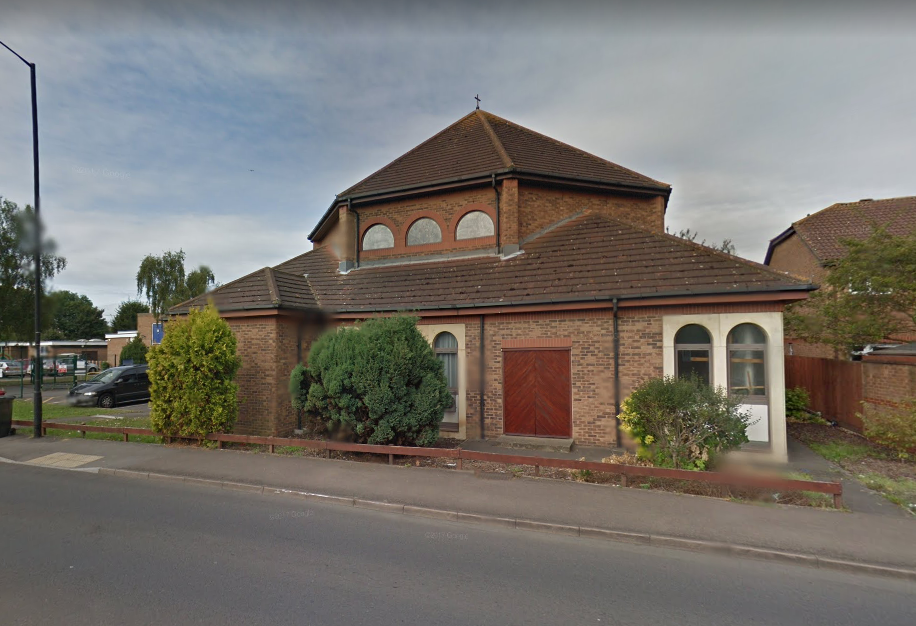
(85, 549)
(860, 537)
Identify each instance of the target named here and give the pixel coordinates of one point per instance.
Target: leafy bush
(683, 422)
(135, 350)
(191, 374)
(299, 383)
(894, 428)
(379, 384)
(104, 365)
(797, 401)
(299, 386)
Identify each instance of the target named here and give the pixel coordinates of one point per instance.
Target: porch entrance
(537, 393)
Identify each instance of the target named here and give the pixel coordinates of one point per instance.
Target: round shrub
(191, 374)
(380, 383)
(134, 351)
(683, 422)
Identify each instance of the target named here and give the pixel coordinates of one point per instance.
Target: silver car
(10, 368)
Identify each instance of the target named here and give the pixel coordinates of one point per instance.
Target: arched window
(747, 344)
(378, 237)
(692, 347)
(423, 231)
(473, 225)
(446, 348)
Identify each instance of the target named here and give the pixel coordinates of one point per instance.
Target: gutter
(596, 299)
(496, 190)
(483, 381)
(616, 378)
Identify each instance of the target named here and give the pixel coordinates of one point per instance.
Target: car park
(82, 366)
(112, 387)
(50, 367)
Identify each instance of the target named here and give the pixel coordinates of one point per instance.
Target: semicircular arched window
(693, 349)
(747, 344)
(425, 230)
(378, 237)
(475, 224)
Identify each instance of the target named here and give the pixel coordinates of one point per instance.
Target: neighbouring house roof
(481, 144)
(267, 288)
(588, 258)
(824, 232)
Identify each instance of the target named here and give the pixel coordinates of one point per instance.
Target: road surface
(82, 548)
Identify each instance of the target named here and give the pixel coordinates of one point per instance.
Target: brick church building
(542, 277)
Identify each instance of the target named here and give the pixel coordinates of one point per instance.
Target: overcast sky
(226, 131)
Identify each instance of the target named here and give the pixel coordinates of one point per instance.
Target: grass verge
(901, 491)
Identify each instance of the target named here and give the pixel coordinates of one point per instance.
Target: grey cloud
(756, 117)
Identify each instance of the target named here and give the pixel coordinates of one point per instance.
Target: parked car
(82, 367)
(49, 367)
(10, 368)
(128, 383)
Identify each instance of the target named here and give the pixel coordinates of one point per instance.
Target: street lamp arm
(16, 53)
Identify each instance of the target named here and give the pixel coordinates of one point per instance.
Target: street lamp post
(37, 372)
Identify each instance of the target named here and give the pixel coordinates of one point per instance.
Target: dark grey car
(129, 383)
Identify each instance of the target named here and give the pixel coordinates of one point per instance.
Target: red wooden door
(518, 392)
(537, 393)
(553, 394)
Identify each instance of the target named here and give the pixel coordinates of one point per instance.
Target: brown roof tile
(481, 143)
(267, 288)
(825, 231)
(588, 258)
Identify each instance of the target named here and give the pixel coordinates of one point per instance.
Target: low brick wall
(887, 382)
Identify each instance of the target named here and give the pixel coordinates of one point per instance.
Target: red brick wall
(267, 346)
(540, 207)
(592, 362)
(398, 215)
(888, 382)
(524, 210)
(268, 349)
(793, 256)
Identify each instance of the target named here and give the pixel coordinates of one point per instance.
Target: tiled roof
(825, 231)
(590, 257)
(267, 288)
(481, 143)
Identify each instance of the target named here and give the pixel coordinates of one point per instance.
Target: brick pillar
(508, 216)
(347, 240)
(660, 213)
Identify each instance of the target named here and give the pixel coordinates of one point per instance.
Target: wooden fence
(835, 387)
(624, 471)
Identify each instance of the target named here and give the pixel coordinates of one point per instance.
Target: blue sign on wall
(158, 331)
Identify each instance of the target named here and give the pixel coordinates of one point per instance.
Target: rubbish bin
(6, 416)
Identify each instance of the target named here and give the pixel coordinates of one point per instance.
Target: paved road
(84, 548)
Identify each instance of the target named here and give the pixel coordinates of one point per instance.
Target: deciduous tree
(868, 295)
(163, 282)
(75, 317)
(126, 316)
(726, 246)
(18, 230)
